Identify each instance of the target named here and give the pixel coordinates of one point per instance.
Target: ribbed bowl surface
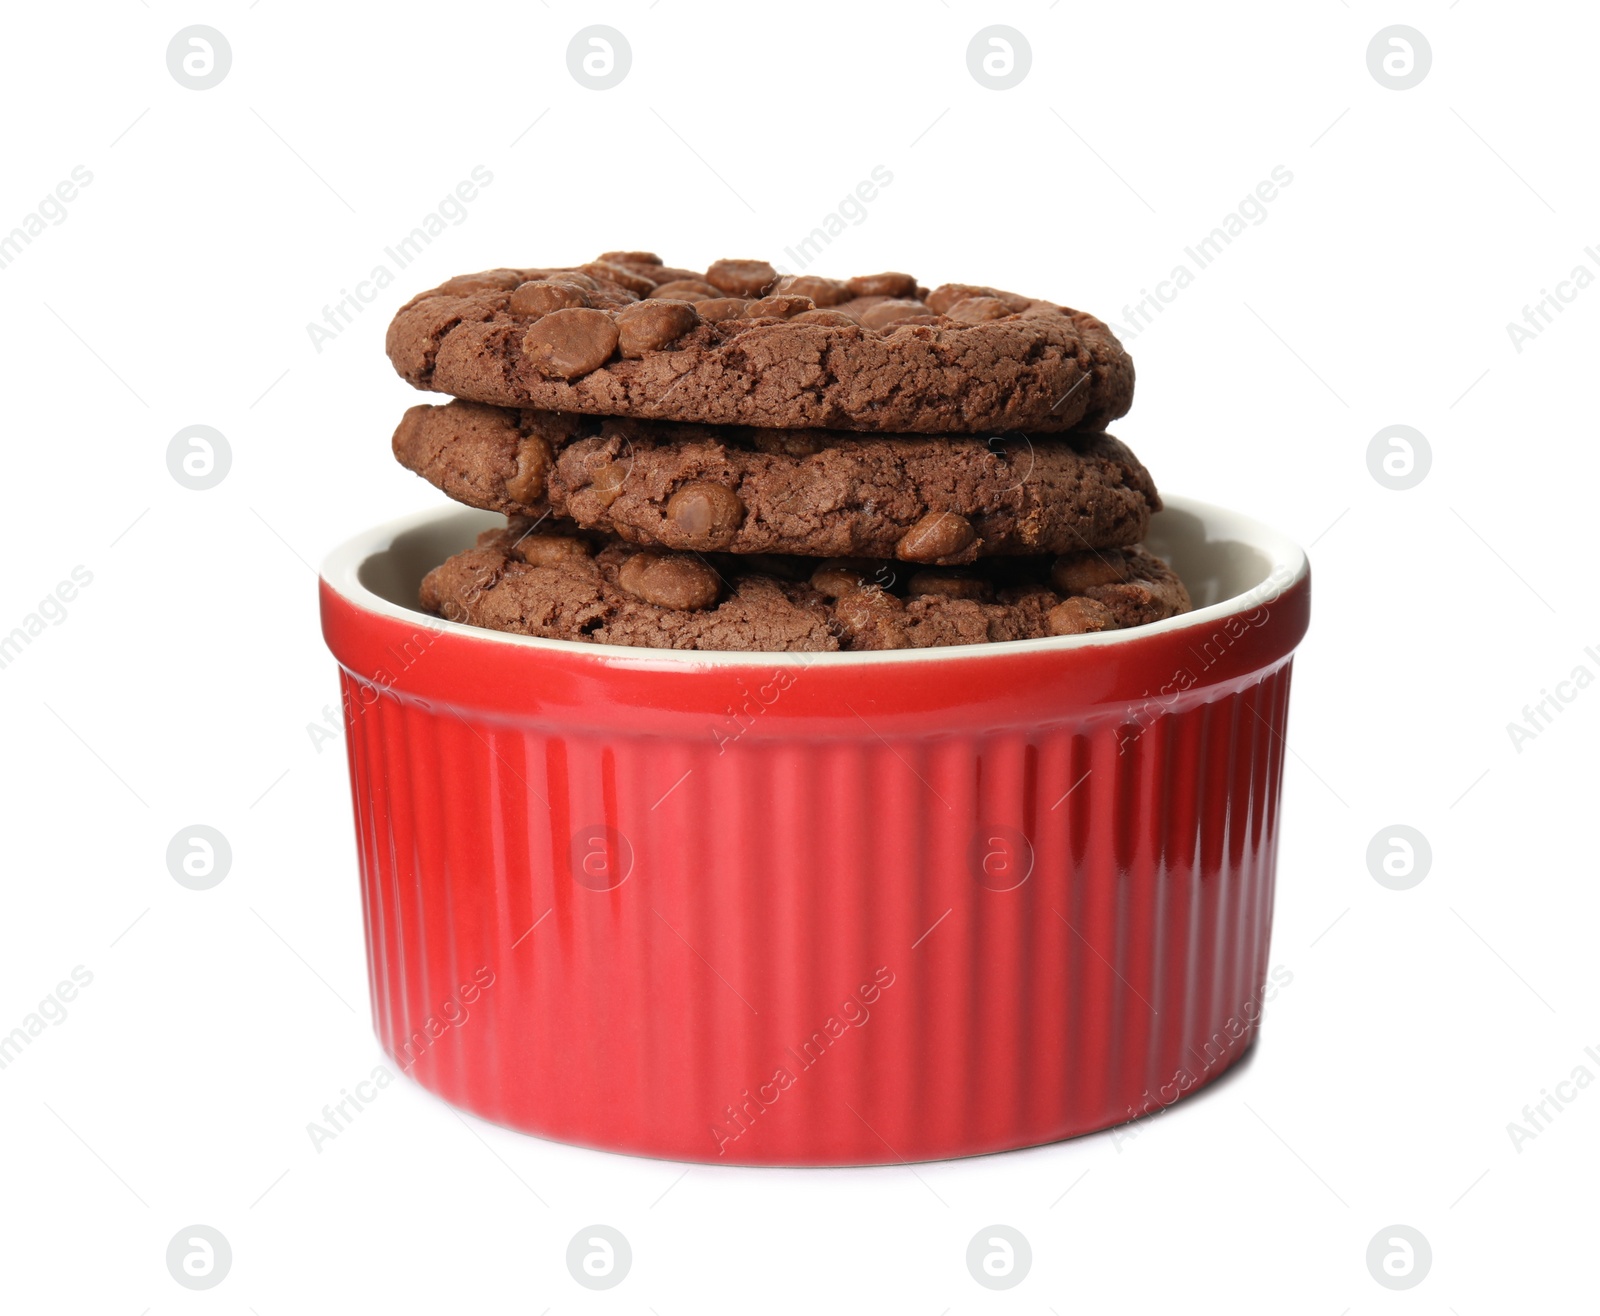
(767, 911)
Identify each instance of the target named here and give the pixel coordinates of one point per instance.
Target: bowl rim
(341, 568)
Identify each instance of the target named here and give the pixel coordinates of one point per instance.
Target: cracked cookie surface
(812, 492)
(738, 344)
(563, 583)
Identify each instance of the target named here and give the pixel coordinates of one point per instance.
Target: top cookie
(627, 336)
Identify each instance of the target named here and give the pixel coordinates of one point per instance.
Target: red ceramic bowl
(818, 909)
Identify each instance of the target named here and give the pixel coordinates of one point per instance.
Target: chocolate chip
(824, 292)
(648, 326)
(551, 550)
(872, 618)
(628, 258)
(606, 481)
(781, 304)
(541, 296)
(825, 318)
(632, 280)
(946, 295)
(722, 308)
(670, 580)
(1073, 573)
(706, 515)
(742, 278)
(888, 284)
(950, 585)
(609, 298)
(464, 285)
(1079, 617)
(687, 290)
(936, 536)
(975, 310)
(832, 581)
(891, 312)
(569, 343)
(533, 462)
(1133, 598)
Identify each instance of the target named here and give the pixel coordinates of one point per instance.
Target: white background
(180, 685)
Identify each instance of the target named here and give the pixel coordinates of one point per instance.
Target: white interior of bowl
(1231, 564)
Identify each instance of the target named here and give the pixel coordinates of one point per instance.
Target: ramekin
(818, 909)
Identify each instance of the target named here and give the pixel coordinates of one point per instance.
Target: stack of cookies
(736, 460)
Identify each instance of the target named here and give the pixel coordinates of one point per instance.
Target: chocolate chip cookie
(562, 583)
(737, 344)
(812, 492)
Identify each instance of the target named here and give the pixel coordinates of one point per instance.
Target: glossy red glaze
(778, 912)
